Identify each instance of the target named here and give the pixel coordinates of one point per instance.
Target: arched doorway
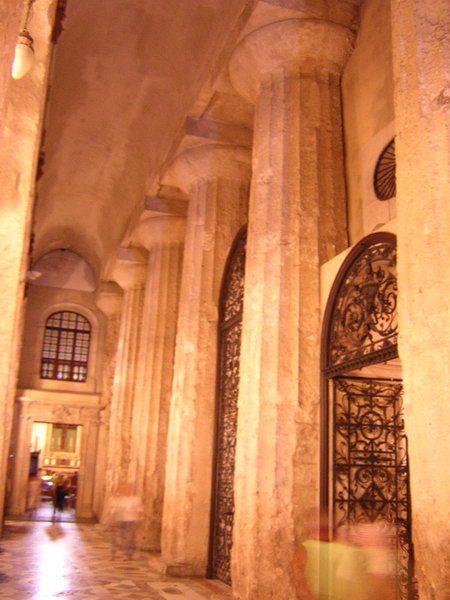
(230, 326)
(365, 458)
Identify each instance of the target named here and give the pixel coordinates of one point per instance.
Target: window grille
(384, 180)
(65, 350)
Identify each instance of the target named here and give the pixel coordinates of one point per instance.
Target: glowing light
(55, 564)
(24, 55)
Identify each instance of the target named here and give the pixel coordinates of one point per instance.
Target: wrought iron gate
(366, 473)
(370, 464)
(231, 307)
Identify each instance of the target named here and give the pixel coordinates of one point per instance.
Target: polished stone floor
(63, 560)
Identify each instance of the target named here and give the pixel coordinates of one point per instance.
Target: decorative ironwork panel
(228, 389)
(364, 320)
(384, 181)
(370, 470)
(233, 293)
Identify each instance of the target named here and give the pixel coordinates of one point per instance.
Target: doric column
(109, 300)
(291, 71)
(216, 179)
(163, 237)
(130, 273)
(421, 53)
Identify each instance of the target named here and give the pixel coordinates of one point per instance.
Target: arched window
(65, 350)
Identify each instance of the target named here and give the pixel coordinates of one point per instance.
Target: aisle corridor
(42, 561)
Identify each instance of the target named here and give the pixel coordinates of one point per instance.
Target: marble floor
(64, 560)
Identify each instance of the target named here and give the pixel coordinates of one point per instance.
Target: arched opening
(364, 447)
(230, 326)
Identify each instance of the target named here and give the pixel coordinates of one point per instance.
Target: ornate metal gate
(370, 463)
(366, 472)
(231, 307)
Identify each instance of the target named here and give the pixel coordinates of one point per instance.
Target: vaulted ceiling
(125, 76)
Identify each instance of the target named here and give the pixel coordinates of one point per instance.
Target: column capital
(130, 267)
(207, 162)
(108, 297)
(160, 231)
(308, 44)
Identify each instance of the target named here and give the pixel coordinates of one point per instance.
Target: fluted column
(421, 53)
(164, 238)
(216, 179)
(109, 301)
(291, 71)
(130, 272)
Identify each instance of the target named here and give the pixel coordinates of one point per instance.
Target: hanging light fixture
(24, 54)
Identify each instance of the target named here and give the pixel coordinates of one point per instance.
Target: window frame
(67, 345)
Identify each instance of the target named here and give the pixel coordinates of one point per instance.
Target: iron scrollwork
(364, 321)
(371, 465)
(228, 389)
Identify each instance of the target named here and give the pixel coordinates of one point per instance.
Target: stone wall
(367, 90)
(20, 113)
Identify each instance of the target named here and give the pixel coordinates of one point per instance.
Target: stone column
(421, 53)
(130, 272)
(109, 301)
(216, 179)
(291, 70)
(163, 237)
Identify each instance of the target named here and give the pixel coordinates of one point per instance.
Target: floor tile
(72, 561)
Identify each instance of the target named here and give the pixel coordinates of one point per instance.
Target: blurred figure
(126, 512)
(378, 541)
(59, 491)
(33, 494)
(330, 570)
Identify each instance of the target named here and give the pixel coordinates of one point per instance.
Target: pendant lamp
(24, 54)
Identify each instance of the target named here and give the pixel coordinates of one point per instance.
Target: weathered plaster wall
(367, 90)
(21, 106)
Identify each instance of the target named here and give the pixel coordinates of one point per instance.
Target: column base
(184, 570)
